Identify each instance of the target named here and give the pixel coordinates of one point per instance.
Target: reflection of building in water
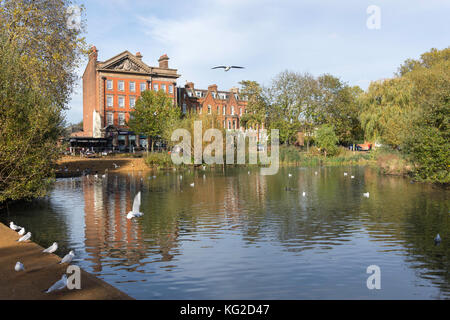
(109, 234)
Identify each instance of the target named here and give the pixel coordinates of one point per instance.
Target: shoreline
(42, 271)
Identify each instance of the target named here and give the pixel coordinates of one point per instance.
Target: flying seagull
(59, 285)
(134, 213)
(25, 237)
(227, 68)
(68, 257)
(19, 266)
(52, 248)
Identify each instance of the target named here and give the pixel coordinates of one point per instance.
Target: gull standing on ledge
(21, 232)
(25, 237)
(59, 285)
(134, 213)
(227, 68)
(19, 266)
(68, 257)
(14, 227)
(52, 248)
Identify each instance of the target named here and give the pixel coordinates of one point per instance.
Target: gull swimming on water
(366, 194)
(68, 257)
(19, 266)
(25, 237)
(353, 177)
(289, 175)
(52, 248)
(304, 194)
(14, 227)
(21, 232)
(345, 173)
(59, 285)
(192, 184)
(134, 213)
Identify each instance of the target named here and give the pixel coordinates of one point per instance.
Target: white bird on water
(289, 175)
(52, 248)
(135, 213)
(21, 232)
(181, 177)
(59, 285)
(25, 237)
(345, 174)
(315, 173)
(14, 227)
(68, 257)
(192, 184)
(366, 194)
(304, 194)
(19, 266)
(353, 177)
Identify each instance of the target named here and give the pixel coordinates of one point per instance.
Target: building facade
(111, 89)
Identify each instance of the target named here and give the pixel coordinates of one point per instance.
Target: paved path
(41, 271)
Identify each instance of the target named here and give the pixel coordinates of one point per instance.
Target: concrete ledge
(41, 271)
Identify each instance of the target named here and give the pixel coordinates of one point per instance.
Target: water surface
(240, 235)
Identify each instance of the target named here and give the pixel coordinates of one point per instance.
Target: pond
(239, 235)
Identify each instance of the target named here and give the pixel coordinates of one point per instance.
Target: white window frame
(118, 100)
(132, 98)
(143, 85)
(112, 101)
(120, 115)
(163, 87)
(170, 88)
(155, 87)
(109, 118)
(121, 84)
(130, 84)
(108, 82)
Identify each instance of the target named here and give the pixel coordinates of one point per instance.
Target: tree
(152, 114)
(327, 140)
(30, 125)
(50, 46)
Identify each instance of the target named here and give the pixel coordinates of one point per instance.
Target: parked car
(90, 154)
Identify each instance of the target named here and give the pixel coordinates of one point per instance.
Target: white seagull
(290, 175)
(304, 194)
(134, 213)
(315, 173)
(227, 68)
(353, 177)
(68, 257)
(115, 166)
(52, 248)
(14, 227)
(181, 177)
(192, 184)
(21, 232)
(345, 174)
(19, 266)
(366, 194)
(25, 237)
(59, 285)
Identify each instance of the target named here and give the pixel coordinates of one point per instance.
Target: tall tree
(153, 112)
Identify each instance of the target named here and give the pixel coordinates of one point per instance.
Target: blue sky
(266, 37)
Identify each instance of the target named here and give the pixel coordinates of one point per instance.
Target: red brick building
(229, 106)
(111, 89)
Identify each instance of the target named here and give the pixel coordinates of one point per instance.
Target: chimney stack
(164, 61)
(93, 53)
(234, 90)
(212, 87)
(139, 56)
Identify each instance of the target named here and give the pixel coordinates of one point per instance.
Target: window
(121, 119)
(143, 86)
(190, 93)
(132, 101)
(229, 124)
(240, 111)
(109, 101)
(209, 109)
(155, 87)
(224, 110)
(232, 110)
(234, 124)
(224, 125)
(121, 86)
(121, 102)
(184, 107)
(109, 84)
(198, 94)
(132, 86)
(170, 88)
(163, 87)
(213, 94)
(109, 118)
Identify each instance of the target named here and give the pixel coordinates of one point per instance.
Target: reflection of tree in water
(406, 217)
(43, 217)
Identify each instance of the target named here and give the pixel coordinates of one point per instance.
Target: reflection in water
(243, 236)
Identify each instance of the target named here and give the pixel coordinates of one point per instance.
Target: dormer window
(213, 94)
(198, 94)
(189, 93)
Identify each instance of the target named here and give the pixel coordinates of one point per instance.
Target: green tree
(255, 115)
(152, 114)
(30, 125)
(327, 140)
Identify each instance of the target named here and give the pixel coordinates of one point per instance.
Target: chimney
(234, 90)
(139, 56)
(189, 85)
(93, 53)
(212, 87)
(164, 61)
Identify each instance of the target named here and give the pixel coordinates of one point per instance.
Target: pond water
(239, 235)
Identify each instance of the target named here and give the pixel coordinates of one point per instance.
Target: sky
(264, 36)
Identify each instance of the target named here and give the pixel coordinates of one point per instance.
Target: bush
(327, 140)
(160, 160)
